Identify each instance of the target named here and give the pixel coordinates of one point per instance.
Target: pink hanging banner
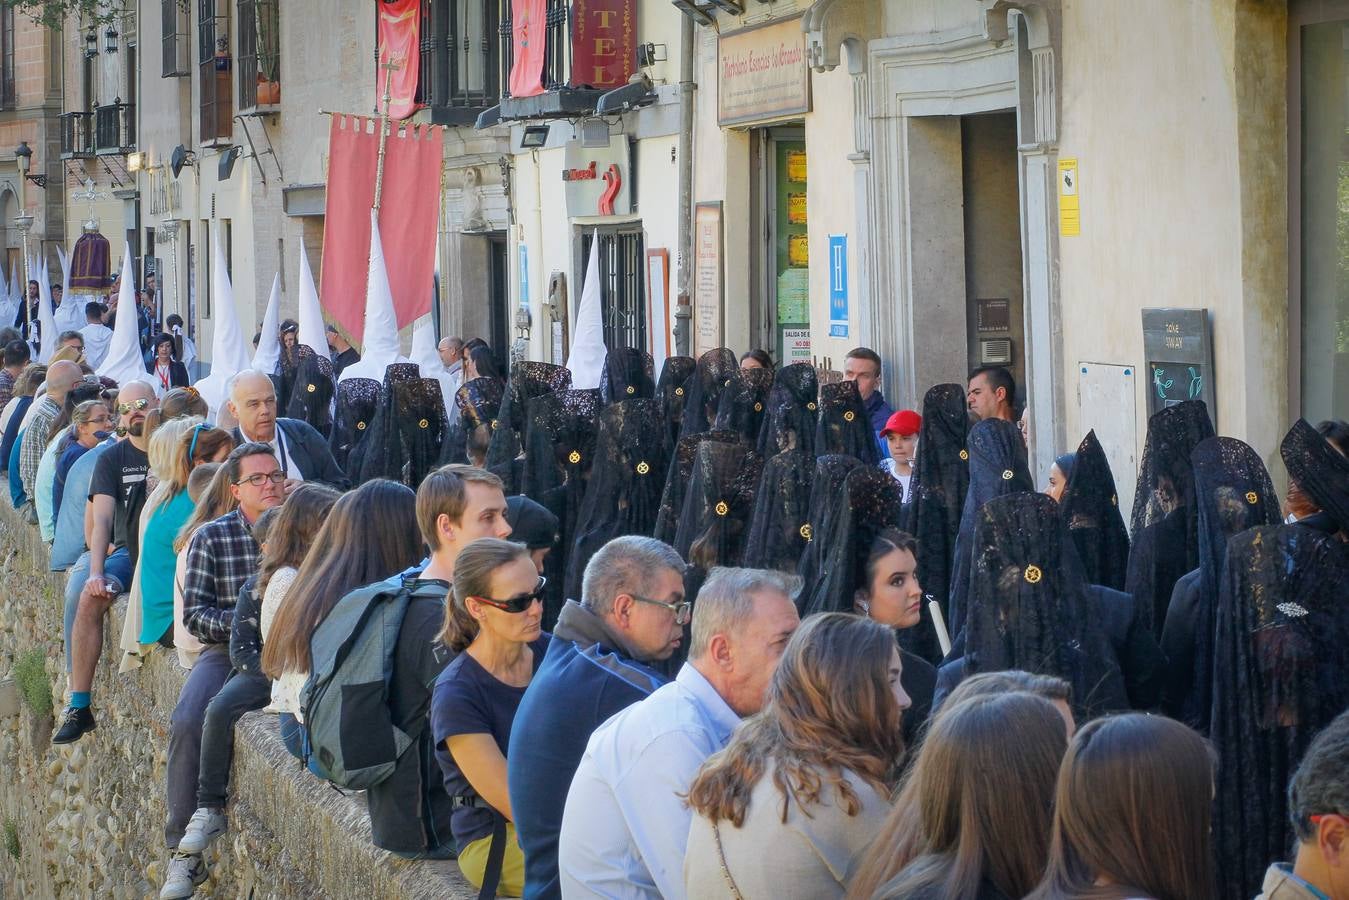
(529, 37)
(409, 207)
(400, 25)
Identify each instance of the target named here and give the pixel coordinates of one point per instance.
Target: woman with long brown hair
(494, 623)
(1132, 814)
(370, 535)
(788, 808)
(902, 839)
(209, 488)
(985, 797)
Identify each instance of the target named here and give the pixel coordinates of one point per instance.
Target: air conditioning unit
(995, 352)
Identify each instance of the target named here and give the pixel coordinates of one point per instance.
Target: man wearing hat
(901, 436)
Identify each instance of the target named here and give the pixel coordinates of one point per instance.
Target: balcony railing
(77, 135)
(460, 70)
(568, 77)
(115, 128)
(259, 54)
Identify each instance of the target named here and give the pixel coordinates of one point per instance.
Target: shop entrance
(780, 268)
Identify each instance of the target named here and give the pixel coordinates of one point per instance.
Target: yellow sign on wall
(1070, 221)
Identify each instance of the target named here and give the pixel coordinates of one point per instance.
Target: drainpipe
(683, 312)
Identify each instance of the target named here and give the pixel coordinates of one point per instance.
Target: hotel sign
(762, 73)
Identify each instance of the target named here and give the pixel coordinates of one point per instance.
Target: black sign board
(1178, 344)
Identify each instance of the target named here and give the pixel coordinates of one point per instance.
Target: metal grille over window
(259, 54)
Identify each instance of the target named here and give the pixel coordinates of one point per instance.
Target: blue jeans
(117, 565)
(296, 739)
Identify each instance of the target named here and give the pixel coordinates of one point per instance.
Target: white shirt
(892, 467)
(625, 826)
(97, 337)
(286, 689)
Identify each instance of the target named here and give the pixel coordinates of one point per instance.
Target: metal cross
(92, 196)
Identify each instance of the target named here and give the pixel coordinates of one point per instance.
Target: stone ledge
(89, 817)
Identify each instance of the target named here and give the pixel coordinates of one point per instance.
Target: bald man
(61, 378)
(300, 450)
(452, 355)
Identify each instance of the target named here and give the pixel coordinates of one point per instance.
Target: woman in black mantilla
(1233, 492)
(1165, 518)
(677, 480)
(311, 394)
(1089, 506)
(671, 392)
(1320, 473)
(828, 498)
(778, 529)
(844, 426)
(702, 392)
(624, 493)
(1030, 607)
(478, 403)
(871, 569)
(997, 467)
(404, 444)
(714, 522)
(791, 412)
(941, 479)
(742, 403)
(289, 363)
(627, 375)
(529, 379)
(1281, 651)
(560, 437)
(357, 403)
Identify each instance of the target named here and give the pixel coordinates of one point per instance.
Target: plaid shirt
(35, 442)
(6, 387)
(221, 556)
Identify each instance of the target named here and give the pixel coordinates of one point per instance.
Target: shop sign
(762, 74)
(603, 42)
(795, 345)
(707, 271)
(594, 178)
(838, 285)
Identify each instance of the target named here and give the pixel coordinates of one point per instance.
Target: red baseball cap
(905, 422)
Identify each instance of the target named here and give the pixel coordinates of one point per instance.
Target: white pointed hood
(229, 353)
(427, 358)
(381, 326)
(268, 354)
(46, 316)
(586, 359)
(123, 362)
(311, 313)
(70, 314)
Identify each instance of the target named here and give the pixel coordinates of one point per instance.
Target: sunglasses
(136, 405)
(259, 479)
(196, 433)
(519, 604)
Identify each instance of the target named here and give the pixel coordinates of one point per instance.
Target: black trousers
(242, 693)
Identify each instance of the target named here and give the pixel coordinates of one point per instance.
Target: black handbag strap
(496, 853)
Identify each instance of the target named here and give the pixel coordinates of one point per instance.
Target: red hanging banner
(408, 212)
(529, 37)
(400, 24)
(603, 42)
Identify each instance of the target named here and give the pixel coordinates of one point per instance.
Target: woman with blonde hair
(494, 623)
(790, 805)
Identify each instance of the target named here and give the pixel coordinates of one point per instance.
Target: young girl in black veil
(1089, 506)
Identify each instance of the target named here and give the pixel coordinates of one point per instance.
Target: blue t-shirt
(67, 459)
(468, 699)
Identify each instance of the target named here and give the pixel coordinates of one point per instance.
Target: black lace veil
(742, 403)
(702, 391)
(357, 403)
(311, 396)
(778, 533)
(405, 440)
(828, 498)
(671, 391)
(1319, 469)
(627, 375)
(528, 380)
(791, 412)
(1089, 507)
(844, 426)
(873, 502)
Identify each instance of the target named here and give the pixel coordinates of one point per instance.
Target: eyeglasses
(517, 604)
(137, 405)
(683, 610)
(258, 479)
(99, 420)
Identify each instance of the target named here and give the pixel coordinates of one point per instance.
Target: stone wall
(87, 820)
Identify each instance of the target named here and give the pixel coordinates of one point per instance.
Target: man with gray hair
(299, 448)
(626, 825)
(632, 612)
(1318, 805)
(452, 357)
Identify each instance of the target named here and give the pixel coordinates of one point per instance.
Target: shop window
(1322, 254)
(622, 287)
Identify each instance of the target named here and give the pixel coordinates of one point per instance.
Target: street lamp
(169, 229)
(111, 36)
(23, 156)
(91, 43)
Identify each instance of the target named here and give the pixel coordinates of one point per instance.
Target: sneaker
(203, 828)
(75, 722)
(186, 871)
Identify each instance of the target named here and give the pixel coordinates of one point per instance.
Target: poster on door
(707, 312)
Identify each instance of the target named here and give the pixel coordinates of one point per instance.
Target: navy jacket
(583, 681)
(310, 452)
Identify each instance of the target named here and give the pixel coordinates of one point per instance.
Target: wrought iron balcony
(77, 135)
(115, 128)
(460, 68)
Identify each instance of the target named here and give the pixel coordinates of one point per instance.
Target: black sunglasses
(519, 604)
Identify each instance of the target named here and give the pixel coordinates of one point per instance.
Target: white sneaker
(186, 871)
(202, 829)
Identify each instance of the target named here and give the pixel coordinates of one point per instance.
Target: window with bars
(622, 286)
(259, 54)
(176, 43)
(213, 67)
(8, 87)
(459, 69)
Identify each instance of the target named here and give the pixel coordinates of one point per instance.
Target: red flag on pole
(409, 207)
(529, 35)
(400, 25)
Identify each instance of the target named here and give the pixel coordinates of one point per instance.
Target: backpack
(345, 701)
